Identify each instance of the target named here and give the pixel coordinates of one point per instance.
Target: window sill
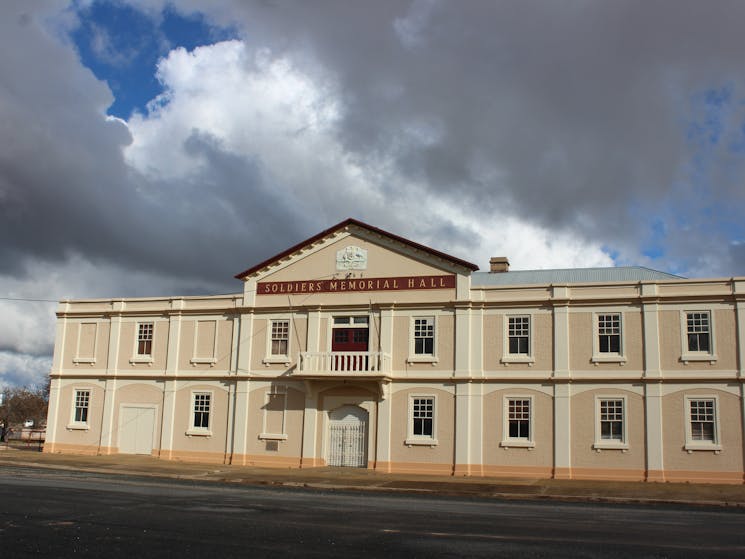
(507, 359)
(607, 445)
(711, 447)
(610, 358)
(421, 442)
(142, 359)
(203, 361)
(78, 427)
(423, 359)
(198, 433)
(710, 357)
(277, 360)
(90, 360)
(514, 443)
(272, 437)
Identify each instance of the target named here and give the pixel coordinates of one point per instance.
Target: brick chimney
(498, 264)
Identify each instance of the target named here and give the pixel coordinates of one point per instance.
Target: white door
(347, 437)
(136, 427)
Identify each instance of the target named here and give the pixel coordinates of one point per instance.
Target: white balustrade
(353, 362)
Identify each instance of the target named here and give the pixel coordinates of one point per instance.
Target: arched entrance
(347, 437)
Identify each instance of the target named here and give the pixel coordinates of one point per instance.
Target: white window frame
(421, 440)
(608, 356)
(422, 357)
(508, 357)
(192, 430)
(686, 354)
(80, 425)
(692, 445)
(201, 359)
(611, 444)
(270, 358)
(278, 390)
(142, 357)
(509, 442)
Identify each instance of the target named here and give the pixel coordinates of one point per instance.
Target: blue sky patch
(122, 45)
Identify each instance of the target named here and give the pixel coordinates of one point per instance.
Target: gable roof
(347, 222)
(570, 275)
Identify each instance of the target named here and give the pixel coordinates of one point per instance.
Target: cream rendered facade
(444, 371)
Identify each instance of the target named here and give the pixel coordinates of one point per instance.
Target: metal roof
(570, 275)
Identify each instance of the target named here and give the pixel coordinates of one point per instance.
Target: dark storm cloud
(65, 188)
(564, 113)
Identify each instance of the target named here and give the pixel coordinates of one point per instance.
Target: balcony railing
(335, 363)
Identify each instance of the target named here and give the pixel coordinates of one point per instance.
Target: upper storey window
(280, 337)
(609, 333)
(608, 344)
(518, 344)
(697, 331)
(424, 336)
(518, 331)
(145, 338)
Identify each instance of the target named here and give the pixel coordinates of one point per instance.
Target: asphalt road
(47, 513)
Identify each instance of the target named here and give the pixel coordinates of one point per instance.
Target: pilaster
(653, 431)
(309, 457)
(383, 450)
(168, 419)
(462, 428)
(562, 431)
(245, 342)
(561, 331)
(240, 420)
(462, 341)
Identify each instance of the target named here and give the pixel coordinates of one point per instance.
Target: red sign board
(404, 283)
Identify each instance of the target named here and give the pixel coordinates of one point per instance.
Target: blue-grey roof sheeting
(570, 275)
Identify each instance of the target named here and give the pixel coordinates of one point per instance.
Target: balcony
(346, 364)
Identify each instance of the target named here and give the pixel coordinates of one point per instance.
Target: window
(702, 420)
(82, 402)
(145, 338)
(518, 418)
(519, 334)
(422, 344)
(610, 427)
(280, 337)
(702, 425)
(278, 342)
(608, 343)
(697, 332)
(202, 407)
(609, 333)
(517, 345)
(421, 421)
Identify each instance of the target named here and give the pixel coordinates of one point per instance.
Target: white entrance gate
(347, 437)
(136, 427)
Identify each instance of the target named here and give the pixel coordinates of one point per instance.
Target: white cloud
(261, 107)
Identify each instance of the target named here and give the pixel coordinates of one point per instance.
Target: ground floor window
(82, 401)
(202, 408)
(518, 421)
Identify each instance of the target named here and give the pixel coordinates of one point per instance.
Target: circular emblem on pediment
(351, 258)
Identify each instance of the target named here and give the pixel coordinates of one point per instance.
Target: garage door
(136, 428)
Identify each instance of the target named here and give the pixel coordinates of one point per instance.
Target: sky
(158, 148)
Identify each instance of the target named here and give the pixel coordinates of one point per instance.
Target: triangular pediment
(353, 263)
(358, 248)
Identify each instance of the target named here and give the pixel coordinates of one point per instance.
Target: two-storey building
(360, 348)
